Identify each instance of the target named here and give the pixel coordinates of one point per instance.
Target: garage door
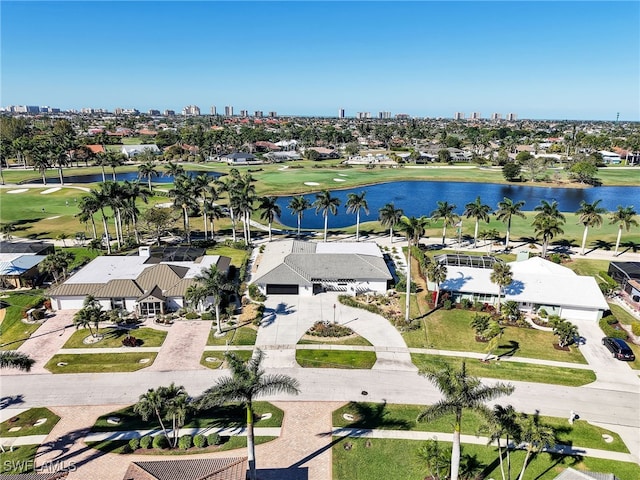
(579, 314)
(273, 289)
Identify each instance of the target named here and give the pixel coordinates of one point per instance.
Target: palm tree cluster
(241, 193)
(57, 264)
(90, 315)
(18, 360)
(210, 285)
(167, 404)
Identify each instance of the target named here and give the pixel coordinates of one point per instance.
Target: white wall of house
(580, 314)
(68, 303)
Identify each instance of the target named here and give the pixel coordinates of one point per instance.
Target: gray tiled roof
(571, 474)
(339, 266)
(75, 289)
(163, 275)
(35, 476)
(234, 468)
(119, 288)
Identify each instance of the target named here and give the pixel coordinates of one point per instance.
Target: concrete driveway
(288, 317)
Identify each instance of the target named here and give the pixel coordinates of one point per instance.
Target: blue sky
(556, 60)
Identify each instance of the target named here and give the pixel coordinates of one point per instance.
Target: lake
(120, 177)
(420, 198)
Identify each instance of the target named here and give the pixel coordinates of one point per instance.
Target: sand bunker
(20, 190)
(50, 190)
(339, 180)
(312, 184)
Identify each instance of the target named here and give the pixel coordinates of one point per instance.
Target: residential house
(234, 468)
(325, 153)
(240, 158)
(537, 284)
(294, 267)
(131, 151)
(19, 262)
(627, 274)
(145, 284)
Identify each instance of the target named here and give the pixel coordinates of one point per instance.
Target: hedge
(611, 331)
(200, 440)
(185, 442)
(146, 441)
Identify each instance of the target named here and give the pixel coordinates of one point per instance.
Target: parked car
(619, 348)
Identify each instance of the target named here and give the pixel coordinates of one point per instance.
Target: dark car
(619, 348)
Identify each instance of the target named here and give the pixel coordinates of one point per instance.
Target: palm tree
(14, 359)
(437, 273)
(536, 435)
(298, 205)
(114, 196)
(201, 189)
(114, 160)
(624, 217)
(355, 203)
(101, 198)
(215, 281)
(41, 163)
(270, 210)
(244, 199)
(501, 276)
(102, 160)
(446, 212)
(506, 211)
(479, 211)
(502, 422)
(461, 392)
(153, 402)
(213, 212)
(390, 216)
(176, 405)
(88, 206)
(326, 204)
(184, 198)
(228, 185)
(56, 264)
(590, 216)
(247, 382)
(414, 229)
(148, 170)
(90, 314)
(173, 169)
(547, 223)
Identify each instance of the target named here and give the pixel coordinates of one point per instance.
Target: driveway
(288, 317)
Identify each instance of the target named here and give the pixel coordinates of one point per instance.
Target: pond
(120, 177)
(420, 198)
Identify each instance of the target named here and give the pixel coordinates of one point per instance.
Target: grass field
(26, 421)
(524, 372)
(112, 338)
(335, 359)
(99, 362)
(20, 460)
(238, 336)
(13, 331)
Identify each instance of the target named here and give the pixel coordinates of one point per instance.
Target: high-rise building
(363, 115)
(341, 113)
(496, 116)
(213, 110)
(384, 115)
(402, 116)
(169, 113)
(244, 113)
(458, 116)
(476, 116)
(228, 111)
(192, 110)
(154, 113)
(273, 114)
(512, 117)
(257, 114)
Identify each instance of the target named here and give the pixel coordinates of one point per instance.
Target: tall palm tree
(173, 169)
(446, 212)
(478, 211)
(115, 160)
(245, 196)
(132, 192)
(212, 212)
(414, 229)
(298, 205)
(390, 216)
(590, 215)
(501, 276)
(228, 185)
(184, 198)
(326, 204)
(215, 282)
(102, 160)
(176, 405)
(114, 195)
(88, 206)
(101, 198)
(90, 314)
(536, 436)
(502, 422)
(548, 223)
(41, 162)
(461, 392)
(270, 210)
(14, 359)
(153, 402)
(624, 217)
(437, 273)
(247, 382)
(507, 209)
(201, 189)
(148, 170)
(355, 203)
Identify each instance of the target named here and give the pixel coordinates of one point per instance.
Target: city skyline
(541, 60)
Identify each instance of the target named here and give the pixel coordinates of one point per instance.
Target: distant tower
(341, 113)
(213, 110)
(228, 111)
(512, 117)
(617, 117)
(458, 116)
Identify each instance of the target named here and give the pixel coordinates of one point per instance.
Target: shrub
(207, 316)
(447, 304)
(610, 281)
(213, 439)
(160, 441)
(466, 303)
(191, 315)
(134, 443)
(130, 341)
(185, 442)
(325, 329)
(635, 328)
(542, 313)
(200, 440)
(146, 441)
(610, 319)
(611, 331)
(256, 294)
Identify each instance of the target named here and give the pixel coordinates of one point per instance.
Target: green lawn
(399, 460)
(355, 339)
(214, 364)
(237, 255)
(26, 421)
(450, 330)
(403, 417)
(335, 359)
(524, 372)
(112, 338)
(584, 266)
(20, 460)
(13, 331)
(231, 415)
(237, 336)
(99, 362)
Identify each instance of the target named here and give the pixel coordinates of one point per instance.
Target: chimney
(144, 251)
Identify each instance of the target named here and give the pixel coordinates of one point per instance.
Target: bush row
(607, 325)
(184, 442)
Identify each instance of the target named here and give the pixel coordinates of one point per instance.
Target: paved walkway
(182, 347)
